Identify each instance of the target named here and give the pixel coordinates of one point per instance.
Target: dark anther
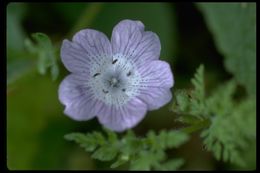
(129, 73)
(114, 61)
(123, 89)
(96, 74)
(104, 91)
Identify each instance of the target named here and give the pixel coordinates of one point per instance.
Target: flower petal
(155, 98)
(156, 74)
(74, 57)
(124, 117)
(157, 79)
(130, 39)
(94, 42)
(77, 97)
(86, 48)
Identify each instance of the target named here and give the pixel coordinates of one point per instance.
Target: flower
(117, 81)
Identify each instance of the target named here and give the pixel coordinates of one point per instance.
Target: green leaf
(229, 125)
(45, 52)
(176, 138)
(43, 40)
(121, 160)
(233, 26)
(112, 137)
(87, 142)
(198, 83)
(192, 103)
(105, 153)
(181, 102)
(15, 31)
(221, 100)
(232, 128)
(142, 153)
(146, 160)
(98, 137)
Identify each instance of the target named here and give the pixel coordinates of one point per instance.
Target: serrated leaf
(105, 153)
(221, 100)
(192, 103)
(176, 138)
(112, 137)
(198, 83)
(86, 141)
(146, 160)
(98, 137)
(227, 135)
(143, 153)
(121, 160)
(182, 101)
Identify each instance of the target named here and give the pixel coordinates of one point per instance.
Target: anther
(96, 74)
(104, 91)
(114, 61)
(129, 73)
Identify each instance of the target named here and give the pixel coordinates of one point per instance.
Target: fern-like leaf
(142, 153)
(228, 126)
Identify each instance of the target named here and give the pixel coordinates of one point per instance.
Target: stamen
(115, 78)
(129, 73)
(114, 61)
(105, 91)
(96, 74)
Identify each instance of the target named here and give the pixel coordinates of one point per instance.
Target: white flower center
(114, 80)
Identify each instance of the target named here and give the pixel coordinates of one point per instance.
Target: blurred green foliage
(45, 52)
(233, 26)
(35, 120)
(15, 31)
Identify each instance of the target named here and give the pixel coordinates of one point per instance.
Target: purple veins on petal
(117, 81)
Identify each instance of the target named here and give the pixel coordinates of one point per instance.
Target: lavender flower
(115, 81)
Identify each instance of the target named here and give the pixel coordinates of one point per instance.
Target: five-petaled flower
(117, 81)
